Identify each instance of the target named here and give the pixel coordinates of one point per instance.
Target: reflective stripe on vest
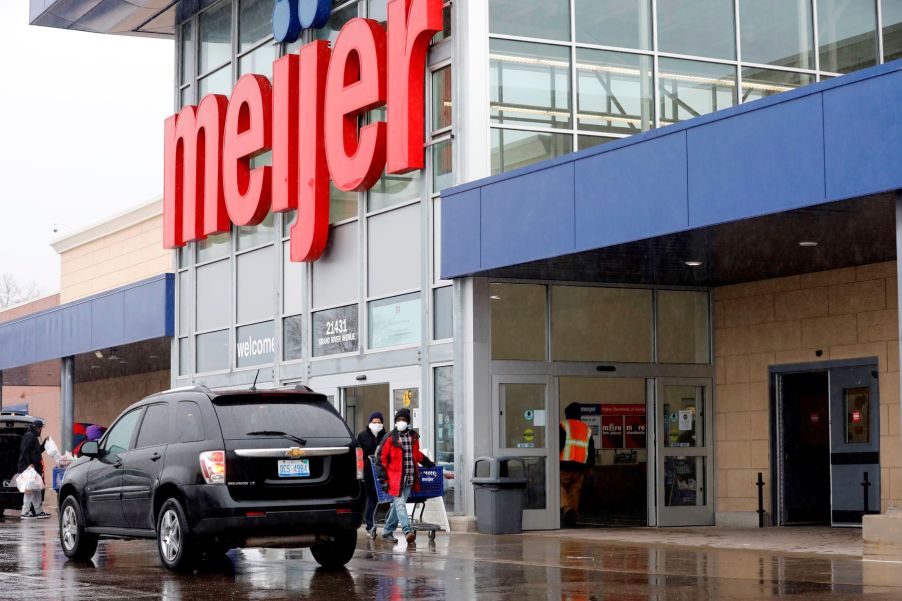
(576, 445)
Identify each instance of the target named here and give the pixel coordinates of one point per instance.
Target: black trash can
(500, 489)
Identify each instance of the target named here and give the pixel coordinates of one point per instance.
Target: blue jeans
(398, 512)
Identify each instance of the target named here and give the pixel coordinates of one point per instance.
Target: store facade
(394, 313)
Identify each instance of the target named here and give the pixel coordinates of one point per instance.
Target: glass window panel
(394, 189)
(847, 34)
(601, 324)
(377, 10)
(697, 27)
(614, 91)
(592, 141)
(683, 416)
(892, 29)
(444, 431)
(777, 32)
(394, 249)
(614, 410)
(624, 23)
(512, 149)
(189, 422)
(218, 82)
(292, 282)
(293, 338)
(441, 98)
(182, 255)
(335, 331)
(530, 84)
(530, 18)
(259, 61)
(683, 327)
(215, 36)
(154, 427)
(335, 273)
(186, 56)
(184, 356)
(443, 311)
(212, 292)
(288, 219)
(254, 23)
(518, 321)
(256, 285)
(264, 233)
(517, 402)
(213, 247)
(184, 303)
(336, 22)
(689, 89)
(684, 481)
(342, 205)
(442, 166)
(395, 321)
(262, 160)
(186, 96)
(445, 33)
(255, 344)
(119, 438)
(212, 352)
(758, 83)
(857, 403)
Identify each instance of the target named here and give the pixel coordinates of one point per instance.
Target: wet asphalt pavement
(459, 566)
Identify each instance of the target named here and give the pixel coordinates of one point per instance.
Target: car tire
(76, 543)
(175, 542)
(337, 551)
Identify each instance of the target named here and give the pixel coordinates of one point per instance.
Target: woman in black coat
(369, 440)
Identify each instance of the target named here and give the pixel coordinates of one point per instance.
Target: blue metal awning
(140, 311)
(833, 141)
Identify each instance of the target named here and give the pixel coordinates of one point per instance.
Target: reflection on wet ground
(459, 566)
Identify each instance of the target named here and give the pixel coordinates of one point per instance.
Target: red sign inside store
(309, 118)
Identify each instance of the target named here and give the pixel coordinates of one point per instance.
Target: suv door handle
(117, 464)
(156, 455)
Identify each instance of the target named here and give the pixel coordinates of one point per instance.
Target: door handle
(156, 455)
(117, 464)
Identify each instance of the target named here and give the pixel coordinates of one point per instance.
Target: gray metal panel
(256, 285)
(213, 289)
(393, 241)
(335, 274)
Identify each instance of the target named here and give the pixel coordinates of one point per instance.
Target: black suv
(13, 427)
(203, 472)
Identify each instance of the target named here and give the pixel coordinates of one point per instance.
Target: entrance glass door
(854, 444)
(525, 426)
(684, 452)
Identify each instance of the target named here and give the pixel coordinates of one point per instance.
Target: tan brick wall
(128, 255)
(101, 401)
(26, 309)
(845, 313)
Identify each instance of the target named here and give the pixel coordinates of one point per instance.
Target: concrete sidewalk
(817, 540)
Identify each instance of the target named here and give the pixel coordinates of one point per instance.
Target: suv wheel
(174, 541)
(76, 543)
(337, 551)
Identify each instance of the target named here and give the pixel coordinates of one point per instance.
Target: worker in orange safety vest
(577, 456)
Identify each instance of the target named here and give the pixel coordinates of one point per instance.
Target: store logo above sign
(315, 136)
(291, 17)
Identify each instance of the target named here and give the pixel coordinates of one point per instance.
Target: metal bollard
(760, 485)
(865, 485)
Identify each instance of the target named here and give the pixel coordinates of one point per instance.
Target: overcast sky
(81, 134)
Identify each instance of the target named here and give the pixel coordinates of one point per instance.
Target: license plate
(294, 468)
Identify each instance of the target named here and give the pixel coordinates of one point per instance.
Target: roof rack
(191, 388)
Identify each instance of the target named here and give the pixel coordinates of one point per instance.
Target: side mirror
(90, 449)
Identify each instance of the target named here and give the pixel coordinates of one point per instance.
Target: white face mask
(401, 426)
(375, 428)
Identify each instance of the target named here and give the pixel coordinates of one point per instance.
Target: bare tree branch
(13, 292)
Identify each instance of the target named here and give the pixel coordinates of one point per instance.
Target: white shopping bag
(30, 480)
(52, 450)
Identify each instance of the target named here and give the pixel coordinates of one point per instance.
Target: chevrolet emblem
(295, 452)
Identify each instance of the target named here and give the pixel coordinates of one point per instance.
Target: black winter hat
(403, 412)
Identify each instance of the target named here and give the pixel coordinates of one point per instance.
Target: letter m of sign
(193, 202)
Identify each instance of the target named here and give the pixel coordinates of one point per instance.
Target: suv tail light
(359, 463)
(212, 465)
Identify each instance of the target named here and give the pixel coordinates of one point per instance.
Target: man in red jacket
(397, 458)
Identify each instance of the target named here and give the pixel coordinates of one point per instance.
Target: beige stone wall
(101, 401)
(845, 313)
(128, 255)
(43, 402)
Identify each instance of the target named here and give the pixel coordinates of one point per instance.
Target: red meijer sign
(309, 117)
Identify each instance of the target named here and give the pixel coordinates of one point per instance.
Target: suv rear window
(292, 414)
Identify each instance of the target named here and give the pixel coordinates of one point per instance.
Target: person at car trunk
(30, 451)
(369, 441)
(397, 459)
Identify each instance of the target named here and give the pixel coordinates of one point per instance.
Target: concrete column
(67, 402)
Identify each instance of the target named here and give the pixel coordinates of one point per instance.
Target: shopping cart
(432, 484)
